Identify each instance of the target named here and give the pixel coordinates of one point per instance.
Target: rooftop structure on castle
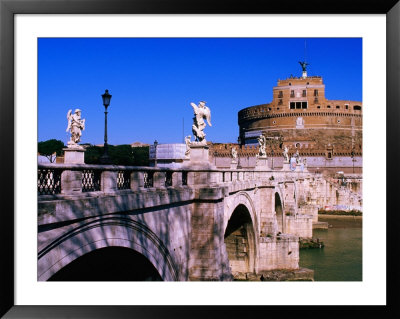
(300, 113)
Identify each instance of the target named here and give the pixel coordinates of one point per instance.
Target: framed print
(135, 137)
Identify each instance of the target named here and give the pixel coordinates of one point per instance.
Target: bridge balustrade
(70, 179)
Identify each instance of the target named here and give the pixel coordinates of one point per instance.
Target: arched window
(357, 108)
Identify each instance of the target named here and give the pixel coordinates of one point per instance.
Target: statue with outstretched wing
(201, 112)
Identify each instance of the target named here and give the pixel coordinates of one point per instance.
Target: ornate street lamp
(155, 153)
(105, 159)
(272, 155)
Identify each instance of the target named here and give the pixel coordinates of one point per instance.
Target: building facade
(301, 117)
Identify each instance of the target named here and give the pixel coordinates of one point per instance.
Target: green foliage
(119, 154)
(141, 155)
(92, 154)
(340, 212)
(49, 147)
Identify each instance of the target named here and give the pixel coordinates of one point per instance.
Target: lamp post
(105, 159)
(352, 158)
(215, 158)
(155, 153)
(272, 153)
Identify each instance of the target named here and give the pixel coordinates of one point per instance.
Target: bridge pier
(208, 256)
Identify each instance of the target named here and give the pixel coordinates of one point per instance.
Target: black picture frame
(9, 8)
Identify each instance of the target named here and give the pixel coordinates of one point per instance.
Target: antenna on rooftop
(305, 50)
(304, 63)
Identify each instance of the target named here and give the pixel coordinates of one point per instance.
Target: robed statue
(187, 142)
(201, 112)
(286, 154)
(262, 141)
(75, 126)
(234, 153)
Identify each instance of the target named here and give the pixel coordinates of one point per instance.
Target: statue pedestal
(262, 163)
(234, 165)
(74, 155)
(286, 167)
(199, 157)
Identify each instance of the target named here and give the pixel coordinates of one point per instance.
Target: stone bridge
(170, 224)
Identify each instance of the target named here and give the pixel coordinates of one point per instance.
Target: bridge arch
(103, 232)
(240, 234)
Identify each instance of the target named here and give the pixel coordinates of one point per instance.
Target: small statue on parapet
(286, 154)
(75, 125)
(187, 141)
(262, 141)
(234, 153)
(297, 156)
(201, 112)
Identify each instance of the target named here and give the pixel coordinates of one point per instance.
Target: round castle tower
(300, 113)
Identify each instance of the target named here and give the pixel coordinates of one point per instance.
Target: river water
(341, 258)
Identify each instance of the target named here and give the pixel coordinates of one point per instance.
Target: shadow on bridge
(135, 244)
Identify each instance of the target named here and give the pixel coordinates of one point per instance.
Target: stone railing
(69, 179)
(75, 179)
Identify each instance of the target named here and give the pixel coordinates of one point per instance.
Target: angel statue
(201, 112)
(234, 153)
(187, 141)
(75, 126)
(262, 143)
(304, 65)
(286, 154)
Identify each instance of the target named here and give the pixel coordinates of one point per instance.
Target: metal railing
(124, 179)
(49, 181)
(91, 180)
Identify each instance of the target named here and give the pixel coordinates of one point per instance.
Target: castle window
(290, 83)
(303, 105)
(337, 106)
(292, 93)
(298, 105)
(280, 94)
(304, 93)
(292, 105)
(338, 121)
(328, 106)
(273, 122)
(357, 108)
(319, 106)
(329, 155)
(277, 108)
(315, 92)
(346, 106)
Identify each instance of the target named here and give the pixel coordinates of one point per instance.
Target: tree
(141, 155)
(119, 154)
(49, 147)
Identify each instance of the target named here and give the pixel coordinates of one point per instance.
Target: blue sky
(153, 80)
